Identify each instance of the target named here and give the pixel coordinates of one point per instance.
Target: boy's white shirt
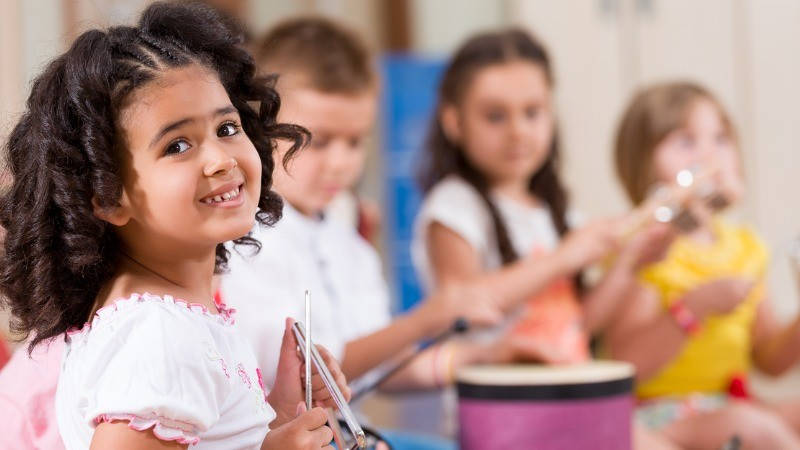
(349, 296)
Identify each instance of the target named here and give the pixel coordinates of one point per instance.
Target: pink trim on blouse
(225, 316)
(161, 431)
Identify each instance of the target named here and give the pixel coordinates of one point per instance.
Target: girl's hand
(305, 432)
(289, 387)
(646, 247)
(587, 245)
(322, 397)
(718, 297)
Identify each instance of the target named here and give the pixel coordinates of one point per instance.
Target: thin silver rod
(308, 351)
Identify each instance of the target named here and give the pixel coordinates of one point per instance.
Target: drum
(580, 406)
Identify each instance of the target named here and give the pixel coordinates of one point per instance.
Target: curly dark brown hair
(444, 157)
(65, 149)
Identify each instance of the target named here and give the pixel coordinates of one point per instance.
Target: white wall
(439, 26)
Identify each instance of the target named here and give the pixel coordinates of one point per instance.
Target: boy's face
(334, 160)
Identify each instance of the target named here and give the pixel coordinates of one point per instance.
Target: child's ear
(115, 215)
(448, 115)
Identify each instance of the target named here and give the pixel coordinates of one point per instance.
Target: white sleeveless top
(458, 206)
(166, 365)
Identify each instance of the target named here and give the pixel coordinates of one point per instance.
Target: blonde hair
(653, 113)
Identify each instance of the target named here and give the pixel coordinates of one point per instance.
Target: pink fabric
(5, 353)
(27, 398)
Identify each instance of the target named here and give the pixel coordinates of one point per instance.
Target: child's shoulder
(145, 320)
(455, 198)
(350, 245)
(453, 188)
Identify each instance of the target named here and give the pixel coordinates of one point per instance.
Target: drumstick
(308, 351)
(459, 326)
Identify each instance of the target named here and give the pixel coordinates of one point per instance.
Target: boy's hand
(306, 431)
(468, 300)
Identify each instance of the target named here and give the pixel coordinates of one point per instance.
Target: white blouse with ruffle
(164, 364)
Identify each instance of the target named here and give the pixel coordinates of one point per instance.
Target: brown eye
(177, 147)
(495, 116)
(227, 129)
(355, 142)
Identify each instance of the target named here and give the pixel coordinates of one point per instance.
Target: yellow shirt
(721, 348)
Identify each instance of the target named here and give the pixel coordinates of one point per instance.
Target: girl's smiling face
(191, 176)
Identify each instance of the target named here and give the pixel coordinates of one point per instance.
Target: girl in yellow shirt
(698, 320)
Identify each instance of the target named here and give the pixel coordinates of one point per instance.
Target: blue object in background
(407, 102)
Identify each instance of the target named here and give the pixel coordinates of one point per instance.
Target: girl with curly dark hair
(143, 149)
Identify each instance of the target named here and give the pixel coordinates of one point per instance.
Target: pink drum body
(570, 415)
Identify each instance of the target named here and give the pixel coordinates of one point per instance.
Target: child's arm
(454, 259)
(434, 315)
(775, 348)
(365, 353)
(118, 435)
(644, 334)
(603, 302)
(437, 366)
(649, 337)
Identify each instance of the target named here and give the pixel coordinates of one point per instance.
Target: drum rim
(525, 374)
(550, 392)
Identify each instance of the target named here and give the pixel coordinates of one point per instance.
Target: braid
(505, 248)
(161, 47)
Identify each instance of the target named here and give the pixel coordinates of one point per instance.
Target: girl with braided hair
(142, 151)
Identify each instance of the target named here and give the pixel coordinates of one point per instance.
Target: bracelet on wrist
(684, 317)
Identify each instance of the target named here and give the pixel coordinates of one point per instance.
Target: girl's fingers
(322, 436)
(321, 394)
(312, 420)
(335, 370)
(319, 390)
